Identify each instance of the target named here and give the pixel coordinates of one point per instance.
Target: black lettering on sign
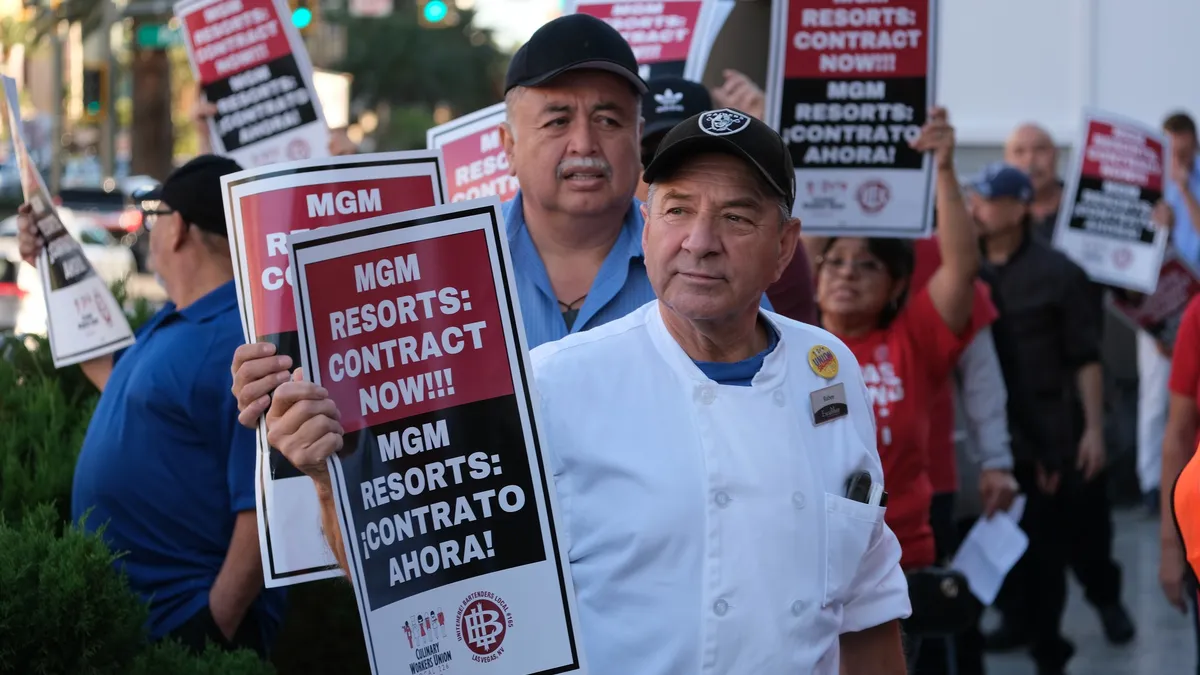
(260, 103)
(442, 497)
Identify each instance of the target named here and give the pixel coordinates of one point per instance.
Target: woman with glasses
(907, 344)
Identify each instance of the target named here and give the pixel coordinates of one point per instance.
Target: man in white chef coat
(715, 463)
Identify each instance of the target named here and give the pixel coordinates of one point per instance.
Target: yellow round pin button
(823, 361)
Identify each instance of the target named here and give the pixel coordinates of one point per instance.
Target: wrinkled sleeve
(879, 592)
(985, 401)
(1083, 318)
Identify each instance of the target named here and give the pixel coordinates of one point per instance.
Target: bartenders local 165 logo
(483, 621)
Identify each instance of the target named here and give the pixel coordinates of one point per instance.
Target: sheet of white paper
(990, 550)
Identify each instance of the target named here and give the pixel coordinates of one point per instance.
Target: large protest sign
(251, 63)
(447, 508)
(1104, 224)
(83, 319)
(848, 88)
(476, 165)
(261, 206)
(668, 37)
(1160, 312)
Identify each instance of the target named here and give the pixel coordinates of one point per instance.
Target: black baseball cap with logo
(194, 192)
(669, 101)
(733, 132)
(572, 42)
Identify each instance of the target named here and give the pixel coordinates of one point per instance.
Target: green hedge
(65, 610)
(68, 610)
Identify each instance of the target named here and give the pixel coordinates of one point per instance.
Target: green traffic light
(301, 17)
(93, 107)
(435, 11)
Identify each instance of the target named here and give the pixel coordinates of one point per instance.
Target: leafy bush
(71, 612)
(171, 658)
(45, 413)
(64, 609)
(45, 416)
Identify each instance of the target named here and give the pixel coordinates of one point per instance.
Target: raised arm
(950, 287)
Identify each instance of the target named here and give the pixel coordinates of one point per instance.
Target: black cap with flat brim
(733, 132)
(568, 43)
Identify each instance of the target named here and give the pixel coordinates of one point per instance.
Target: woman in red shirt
(906, 346)
(1180, 527)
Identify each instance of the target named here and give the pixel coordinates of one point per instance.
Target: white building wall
(1003, 62)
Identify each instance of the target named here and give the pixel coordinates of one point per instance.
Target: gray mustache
(572, 164)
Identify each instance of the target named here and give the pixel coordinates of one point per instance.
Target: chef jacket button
(721, 499)
(720, 607)
(797, 608)
(780, 399)
(798, 499)
(705, 395)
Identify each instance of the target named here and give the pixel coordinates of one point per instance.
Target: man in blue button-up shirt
(164, 466)
(573, 139)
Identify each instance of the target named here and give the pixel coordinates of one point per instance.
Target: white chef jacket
(706, 524)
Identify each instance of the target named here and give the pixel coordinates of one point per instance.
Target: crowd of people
(660, 264)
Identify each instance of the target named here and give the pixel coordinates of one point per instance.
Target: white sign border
(408, 227)
(1062, 236)
(279, 176)
(776, 56)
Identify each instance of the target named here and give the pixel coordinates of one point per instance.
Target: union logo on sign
(873, 196)
(1122, 257)
(483, 622)
(298, 149)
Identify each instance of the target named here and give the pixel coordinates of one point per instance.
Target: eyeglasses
(151, 208)
(149, 217)
(864, 266)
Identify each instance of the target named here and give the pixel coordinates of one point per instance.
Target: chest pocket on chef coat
(849, 526)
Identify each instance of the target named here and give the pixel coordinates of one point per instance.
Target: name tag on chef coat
(829, 403)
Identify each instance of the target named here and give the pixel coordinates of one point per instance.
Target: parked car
(10, 293)
(111, 260)
(114, 211)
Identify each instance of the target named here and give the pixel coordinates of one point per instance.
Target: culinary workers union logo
(723, 122)
(483, 621)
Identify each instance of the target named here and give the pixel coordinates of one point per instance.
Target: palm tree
(151, 132)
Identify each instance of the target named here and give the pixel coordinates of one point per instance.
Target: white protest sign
(1104, 223)
(261, 206)
(251, 63)
(848, 88)
(84, 320)
(446, 504)
(476, 164)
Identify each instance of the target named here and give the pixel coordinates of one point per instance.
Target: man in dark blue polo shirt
(165, 463)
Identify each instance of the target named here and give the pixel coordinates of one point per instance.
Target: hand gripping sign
(83, 318)
(261, 207)
(446, 504)
(848, 88)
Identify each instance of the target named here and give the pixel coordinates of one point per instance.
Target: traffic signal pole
(108, 124)
(56, 95)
